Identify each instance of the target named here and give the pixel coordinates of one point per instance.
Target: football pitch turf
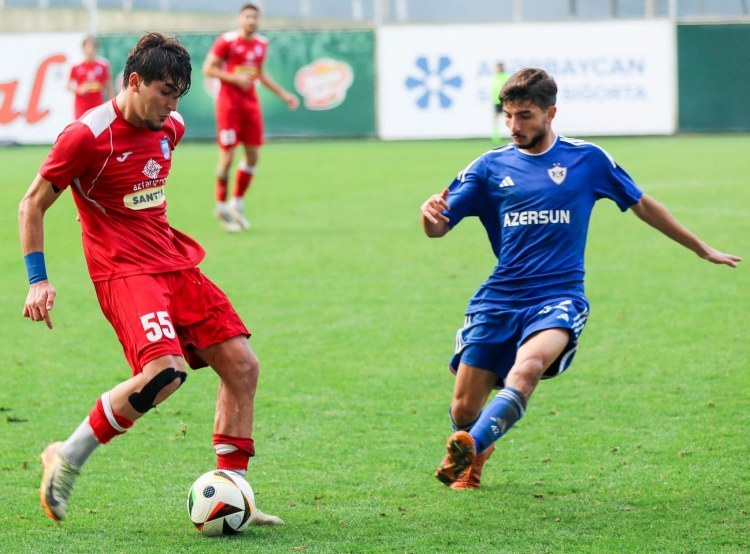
(641, 446)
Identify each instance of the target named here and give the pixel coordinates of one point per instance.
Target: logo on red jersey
(164, 144)
(151, 169)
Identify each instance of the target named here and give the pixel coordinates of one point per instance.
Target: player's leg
(222, 213)
(548, 344)
(250, 134)
(245, 173)
(496, 116)
(114, 413)
(534, 357)
(139, 310)
(238, 368)
(227, 137)
(470, 391)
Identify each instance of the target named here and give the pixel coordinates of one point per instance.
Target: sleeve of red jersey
(220, 48)
(178, 127)
(72, 152)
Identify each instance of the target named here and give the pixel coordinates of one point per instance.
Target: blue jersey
(536, 210)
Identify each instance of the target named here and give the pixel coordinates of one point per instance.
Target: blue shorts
(490, 340)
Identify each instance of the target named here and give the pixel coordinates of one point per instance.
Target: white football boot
(57, 482)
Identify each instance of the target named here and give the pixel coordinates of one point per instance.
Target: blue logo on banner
(434, 84)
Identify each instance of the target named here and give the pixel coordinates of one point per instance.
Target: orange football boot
(471, 478)
(459, 456)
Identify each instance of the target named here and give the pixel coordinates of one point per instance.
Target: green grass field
(641, 446)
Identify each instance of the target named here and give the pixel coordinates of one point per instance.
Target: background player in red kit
(116, 160)
(236, 59)
(91, 79)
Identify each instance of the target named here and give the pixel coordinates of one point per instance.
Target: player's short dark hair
(530, 85)
(157, 57)
(250, 6)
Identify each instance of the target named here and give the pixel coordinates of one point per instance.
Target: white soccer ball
(220, 502)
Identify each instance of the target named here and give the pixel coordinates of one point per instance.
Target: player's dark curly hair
(530, 85)
(159, 58)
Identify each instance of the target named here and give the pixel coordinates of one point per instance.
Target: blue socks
(498, 416)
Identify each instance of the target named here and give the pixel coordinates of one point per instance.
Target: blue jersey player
(534, 198)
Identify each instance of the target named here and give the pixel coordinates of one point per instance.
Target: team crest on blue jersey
(557, 173)
(164, 143)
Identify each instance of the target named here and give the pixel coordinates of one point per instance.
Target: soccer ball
(220, 502)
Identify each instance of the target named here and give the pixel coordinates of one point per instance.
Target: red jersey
(118, 174)
(240, 55)
(92, 76)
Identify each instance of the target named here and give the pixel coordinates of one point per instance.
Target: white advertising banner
(35, 104)
(613, 78)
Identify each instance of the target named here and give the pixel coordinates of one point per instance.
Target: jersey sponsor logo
(507, 182)
(151, 169)
(536, 217)
(557, 173)
(124, 156)
(146, 198)
(165, 150)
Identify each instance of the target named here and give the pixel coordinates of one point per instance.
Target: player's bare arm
(659, 217)
(287, 97)
(109, 88)
(212, 68)
(40, 196)
(434, 222)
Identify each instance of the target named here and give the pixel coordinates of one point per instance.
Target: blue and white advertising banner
(35, 104)
(613, 78)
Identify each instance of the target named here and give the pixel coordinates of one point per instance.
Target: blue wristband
(35, 267)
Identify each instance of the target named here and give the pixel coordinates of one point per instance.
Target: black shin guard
(144, 400)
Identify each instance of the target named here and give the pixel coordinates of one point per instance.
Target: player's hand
(432, 209)
(290, 100)
(242, 80)
(716, 257)
(39, 302)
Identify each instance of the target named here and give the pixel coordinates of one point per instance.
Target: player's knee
(249, 370)
(531, 367)
(244, 374)
(157, 389)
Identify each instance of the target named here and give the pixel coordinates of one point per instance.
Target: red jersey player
(116, 160)
(236, 59)
(90, 80)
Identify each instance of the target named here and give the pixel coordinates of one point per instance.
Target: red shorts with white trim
(172, 313)
(239, 124)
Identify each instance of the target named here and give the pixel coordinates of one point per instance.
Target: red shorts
(172, 313)
(237, 124)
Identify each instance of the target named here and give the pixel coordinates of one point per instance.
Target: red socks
(105, 423)
(233, 453)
